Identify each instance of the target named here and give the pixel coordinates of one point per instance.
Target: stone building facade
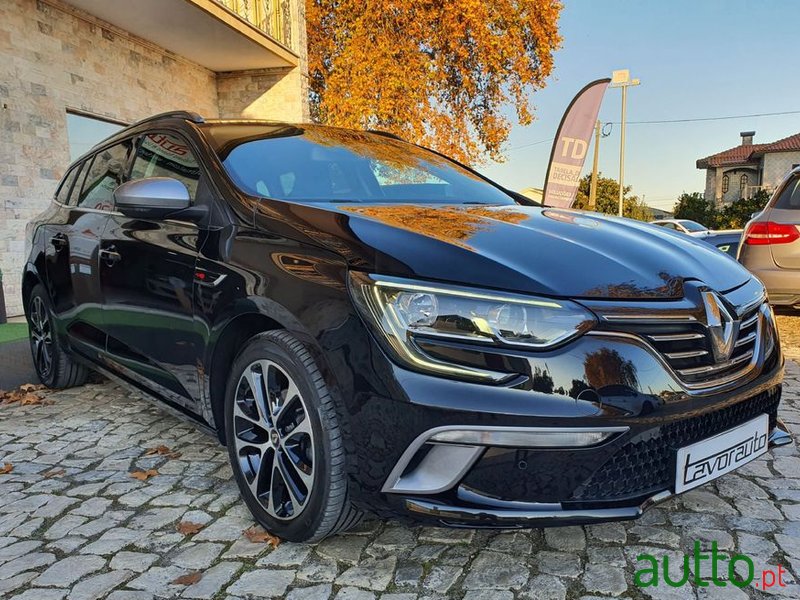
(59, 57)
(740, 171)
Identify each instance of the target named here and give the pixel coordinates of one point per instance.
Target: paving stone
(41, 594)
(544, 587)
(285, 555)
(98, 586)
(318, 570)
(69, 570)
(197, 556)
(213, 580)
(317, 592)
(565, 538)
(614, 533)
(18, 549)
(224, 529)
(113, 541)
(158, 580)
(34, 560)
(370, 573)
(349, 593)
(441, 579)
(559, 563)
(346, 548)
(262, 583)
(137, 562)
(12, 583)
(604, 580)
(493, 570)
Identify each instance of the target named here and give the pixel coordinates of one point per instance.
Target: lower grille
(647, 465)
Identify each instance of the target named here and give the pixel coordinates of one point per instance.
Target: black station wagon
(371, 327)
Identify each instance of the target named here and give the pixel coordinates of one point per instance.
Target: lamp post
(622, 79)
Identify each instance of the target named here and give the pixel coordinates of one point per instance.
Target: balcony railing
(273, 17)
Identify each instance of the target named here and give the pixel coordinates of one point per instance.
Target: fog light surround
(527, 437)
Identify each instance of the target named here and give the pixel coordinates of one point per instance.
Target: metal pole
(593, 184)
(622, 148)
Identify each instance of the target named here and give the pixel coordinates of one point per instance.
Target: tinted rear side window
(790, 196)
(64, 189)
(108, 170)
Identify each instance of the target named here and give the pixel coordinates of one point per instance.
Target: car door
(73, 249)
(147, 276)
(786, 211)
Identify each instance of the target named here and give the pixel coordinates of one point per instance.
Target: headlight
(404, 311)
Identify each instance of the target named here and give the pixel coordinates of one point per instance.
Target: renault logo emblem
(722, 328)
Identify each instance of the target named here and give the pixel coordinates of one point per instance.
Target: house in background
(739, 172)
(74, 71)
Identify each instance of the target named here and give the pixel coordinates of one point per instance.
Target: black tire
(54, 366)
(325, 508)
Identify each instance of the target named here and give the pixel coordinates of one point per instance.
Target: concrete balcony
(221, 35)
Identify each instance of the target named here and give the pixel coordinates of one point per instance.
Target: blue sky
(701, 58)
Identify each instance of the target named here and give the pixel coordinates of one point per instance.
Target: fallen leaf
(53, 473)
(188, 579)
(162, 451)
(188, 528)
(6, 468)
(31, 387)
(257, 535)
(144, 475)
(28, 399)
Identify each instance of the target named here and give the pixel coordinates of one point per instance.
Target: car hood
(552, 252)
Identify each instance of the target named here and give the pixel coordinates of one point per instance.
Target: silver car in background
(770, 246)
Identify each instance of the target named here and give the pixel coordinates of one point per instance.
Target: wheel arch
(30, 279)
(246, 320)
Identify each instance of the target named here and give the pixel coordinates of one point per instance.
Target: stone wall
(777, 166)
(54, 58)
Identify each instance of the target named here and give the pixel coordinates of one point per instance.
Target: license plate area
(707, 459)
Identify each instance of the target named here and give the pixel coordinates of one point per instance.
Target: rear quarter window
(789, 197)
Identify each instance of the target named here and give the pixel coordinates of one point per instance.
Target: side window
(790, 196)
(62, 195)
(668, 225)
(107, 171)
(167, 155)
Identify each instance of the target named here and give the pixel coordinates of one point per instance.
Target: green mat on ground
(11, 332)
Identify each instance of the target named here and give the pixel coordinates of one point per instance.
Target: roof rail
(175, 114)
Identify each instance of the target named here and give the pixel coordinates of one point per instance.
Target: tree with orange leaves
(435, 72)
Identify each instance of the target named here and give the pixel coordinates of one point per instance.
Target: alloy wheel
(274, 439)
(41, 336)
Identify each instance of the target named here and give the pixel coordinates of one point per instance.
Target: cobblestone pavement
(74, 524)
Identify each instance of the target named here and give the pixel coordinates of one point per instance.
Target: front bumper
(650, 411)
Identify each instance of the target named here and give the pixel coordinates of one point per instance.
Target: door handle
(110, 256)
(59, 241)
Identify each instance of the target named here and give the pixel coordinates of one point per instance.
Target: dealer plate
(715, 456)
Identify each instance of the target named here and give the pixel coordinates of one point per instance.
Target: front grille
(646, 464)
(686, 347)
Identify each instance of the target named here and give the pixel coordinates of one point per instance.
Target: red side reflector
(764, 234)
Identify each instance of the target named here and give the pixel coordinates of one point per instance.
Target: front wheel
(284, 441)
(54, 366)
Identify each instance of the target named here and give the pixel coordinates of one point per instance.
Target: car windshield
(321, 164)
(692, 226)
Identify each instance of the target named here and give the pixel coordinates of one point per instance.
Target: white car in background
(684, 226)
